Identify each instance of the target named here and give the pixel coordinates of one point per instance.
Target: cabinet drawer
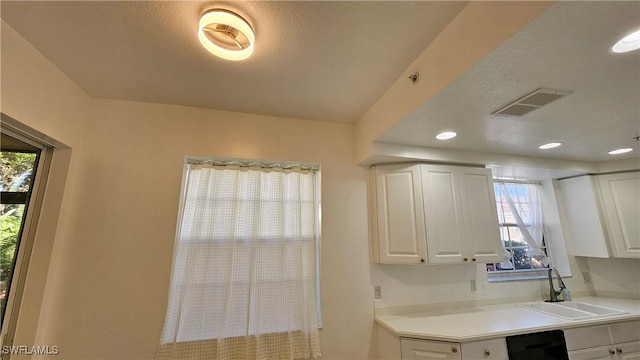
(597, 353)
(586, 337)
(428, 350)
(495, 349)
(625, 332)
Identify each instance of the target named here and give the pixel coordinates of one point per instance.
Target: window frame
(519, 274)
(33, 209)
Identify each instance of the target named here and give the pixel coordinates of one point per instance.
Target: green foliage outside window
(17, 169)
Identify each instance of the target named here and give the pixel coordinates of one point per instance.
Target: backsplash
(411, 285)
(615, 277)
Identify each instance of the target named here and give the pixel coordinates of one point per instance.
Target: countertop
(485, 322)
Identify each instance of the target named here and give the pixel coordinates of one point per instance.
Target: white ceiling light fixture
(620, 151)
(628, 43)
(446, 135)
(226, 35)
(549, 146)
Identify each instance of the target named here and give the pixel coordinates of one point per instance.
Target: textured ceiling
(331, 60)
(325, 61)
(566, 48)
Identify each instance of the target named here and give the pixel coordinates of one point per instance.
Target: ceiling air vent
(532, 101)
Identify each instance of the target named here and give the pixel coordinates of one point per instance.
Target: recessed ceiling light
(549, 146)
(226, 35)
(628, 43)
(446, 135)
(620, 151)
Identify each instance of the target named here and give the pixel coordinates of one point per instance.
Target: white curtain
(526, 208)
(243, 283)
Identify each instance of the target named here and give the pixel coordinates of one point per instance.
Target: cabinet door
(599, 353)
(429, 350)
(443, 214)
(581, 210)
(400, 214)
(621, 200)
(587, 337)
(494, 349)
(627, 351)
(480, 215)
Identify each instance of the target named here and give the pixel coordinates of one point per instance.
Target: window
(245, 267)
(521, 228)
(18, 162)
(25, 161)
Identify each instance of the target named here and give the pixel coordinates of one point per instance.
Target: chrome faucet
(553, 294)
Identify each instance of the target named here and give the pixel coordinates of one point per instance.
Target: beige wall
(615, 277)
(116, 269)
(106, 286)
(44, 100)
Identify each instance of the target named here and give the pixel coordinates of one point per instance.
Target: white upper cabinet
(621, 200)
(481, 215)
(442, 200)
(399, 231)
(444, 214)
(461, 216)
(602, 213)
(582, 214)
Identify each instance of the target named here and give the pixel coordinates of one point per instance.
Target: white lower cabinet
(628, 351)
(493, 349)
(625, 351)
(619, 341)
(429, 350)
(615, 341)
(598, 353)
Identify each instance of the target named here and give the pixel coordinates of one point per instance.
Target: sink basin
(572, 310)
(594, 309)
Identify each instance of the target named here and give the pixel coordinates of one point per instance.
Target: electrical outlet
(586, 277)
(377, 292)
(473, 286)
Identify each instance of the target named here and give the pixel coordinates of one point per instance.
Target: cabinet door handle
(473, 259)
(487, 353)
(421, 260)
(455, 350)
(612, 352)
(619, 350)
(466, 259)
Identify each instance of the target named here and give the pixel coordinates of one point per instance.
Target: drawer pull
(487, 353)
(455, 350)
(473, 259)
(612, 352)
(466, 259)
(619, 350)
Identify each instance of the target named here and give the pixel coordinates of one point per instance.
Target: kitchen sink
(572, 310)
(594, 309)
